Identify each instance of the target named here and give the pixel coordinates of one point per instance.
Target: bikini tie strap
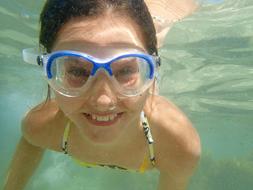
(149, 137)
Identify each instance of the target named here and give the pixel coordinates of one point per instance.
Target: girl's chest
(131, 157)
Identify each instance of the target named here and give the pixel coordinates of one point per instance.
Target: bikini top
(144, 165)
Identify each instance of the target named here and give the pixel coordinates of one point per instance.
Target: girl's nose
(102, 95)
(103, 102)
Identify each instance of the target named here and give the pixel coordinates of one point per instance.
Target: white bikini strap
(65, 138)
(149, 137)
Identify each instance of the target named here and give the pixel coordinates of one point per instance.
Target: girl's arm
(167, 12)
(26, 159)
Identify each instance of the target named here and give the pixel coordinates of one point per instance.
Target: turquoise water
(207, 71)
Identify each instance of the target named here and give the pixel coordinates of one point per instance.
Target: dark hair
(58, 12)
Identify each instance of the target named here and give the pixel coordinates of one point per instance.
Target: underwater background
(207, 70)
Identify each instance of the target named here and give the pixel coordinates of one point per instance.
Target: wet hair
(56, 13)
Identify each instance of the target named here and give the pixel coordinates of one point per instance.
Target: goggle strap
(30, 55)
(158, 61)
(40, 60)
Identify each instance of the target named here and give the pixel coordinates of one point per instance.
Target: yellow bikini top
(144, 165)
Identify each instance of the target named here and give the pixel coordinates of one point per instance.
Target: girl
(101, 62)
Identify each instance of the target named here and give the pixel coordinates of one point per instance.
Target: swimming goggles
(71, 73)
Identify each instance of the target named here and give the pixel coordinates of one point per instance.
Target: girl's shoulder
(176, 140)
(43, 124)
(166, 118)
(162, 112)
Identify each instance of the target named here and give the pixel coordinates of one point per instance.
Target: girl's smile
(105, 119)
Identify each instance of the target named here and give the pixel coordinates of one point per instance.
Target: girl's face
(101, 115)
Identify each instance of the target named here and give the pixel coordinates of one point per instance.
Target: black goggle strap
(40, 59)
(157, 59)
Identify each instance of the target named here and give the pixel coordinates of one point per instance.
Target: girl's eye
(126, 71)
(127, 75)
(76, 77)
(78, 72)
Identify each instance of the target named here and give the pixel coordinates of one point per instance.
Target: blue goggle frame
(153, 61)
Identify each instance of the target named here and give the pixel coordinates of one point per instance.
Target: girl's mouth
(103, 120)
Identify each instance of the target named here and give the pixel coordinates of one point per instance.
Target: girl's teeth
(112, 117)
(103, 118)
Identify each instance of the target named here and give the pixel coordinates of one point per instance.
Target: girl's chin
(101, 132)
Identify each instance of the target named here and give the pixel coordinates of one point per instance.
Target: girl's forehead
(107, 32)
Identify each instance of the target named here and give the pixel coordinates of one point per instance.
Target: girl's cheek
(68, 105)
(135, 103)
(73, 105)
